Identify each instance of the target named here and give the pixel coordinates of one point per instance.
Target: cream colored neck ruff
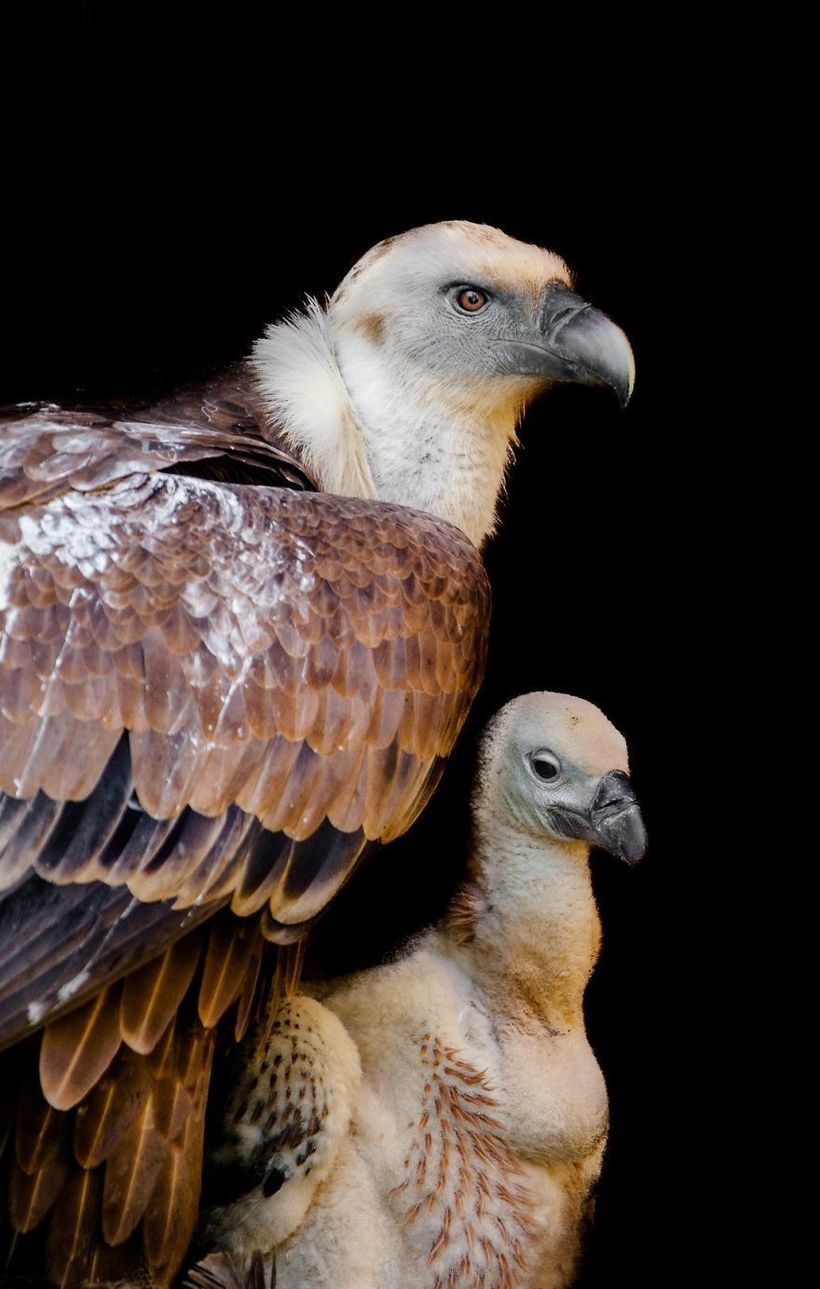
(300, 383)
(367, 426)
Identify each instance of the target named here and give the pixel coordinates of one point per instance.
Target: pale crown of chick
(552, 765)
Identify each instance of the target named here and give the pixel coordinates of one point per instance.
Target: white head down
(553, 768)
(409, 385)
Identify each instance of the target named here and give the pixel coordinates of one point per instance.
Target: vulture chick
(440, 1121)
(231, 657)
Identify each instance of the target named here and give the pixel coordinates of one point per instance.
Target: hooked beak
(616, 820)
(573, 342)
(613, 820)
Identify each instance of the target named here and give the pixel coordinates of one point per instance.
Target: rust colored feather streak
(491, 1210)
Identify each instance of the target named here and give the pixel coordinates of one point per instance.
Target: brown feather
(38, 1129)
(217, 873)
(175, 760)
(122, 1267)
(226, 962)
(172, 1106)
(151, 995)
(265, 791)
(263, 870)
(102, 1120)
(278, 933)
(171, 1214)
(31, 1197)
(72, 1229)
(381, 775)
(162, 1060)
(172, 1211)
(289, 961)
(249, 997)
(164, 881)
(76, 1050)
(130, 1175)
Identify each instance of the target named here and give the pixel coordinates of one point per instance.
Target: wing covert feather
(213, 691)
(299, 657)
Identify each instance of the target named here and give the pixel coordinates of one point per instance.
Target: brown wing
(215, 434)
(210, 694)
(118, 1179)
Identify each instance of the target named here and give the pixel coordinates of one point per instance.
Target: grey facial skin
(613, 820)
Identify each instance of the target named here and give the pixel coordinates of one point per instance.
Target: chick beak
(616, 820)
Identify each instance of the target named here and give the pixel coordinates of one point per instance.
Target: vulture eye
(471, 299)
(545, 765)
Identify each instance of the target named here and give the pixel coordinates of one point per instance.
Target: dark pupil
(545, 769)
(472, 297)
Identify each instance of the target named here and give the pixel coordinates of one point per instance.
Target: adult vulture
(230, 657)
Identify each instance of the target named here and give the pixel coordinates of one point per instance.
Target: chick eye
(470, 299)
(545, 765)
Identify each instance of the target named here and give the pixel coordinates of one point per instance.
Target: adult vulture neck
(366, 429)
(437, 445)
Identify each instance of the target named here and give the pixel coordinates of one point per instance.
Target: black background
(180, 176)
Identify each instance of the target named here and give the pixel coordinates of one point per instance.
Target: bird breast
(483, 1141)
(554, 1091)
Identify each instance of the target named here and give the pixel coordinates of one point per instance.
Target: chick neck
(526, 922)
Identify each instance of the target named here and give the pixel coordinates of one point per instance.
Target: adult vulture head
(239, 634)
(425, 359)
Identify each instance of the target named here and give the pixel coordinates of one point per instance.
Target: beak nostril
(614, 791)
(561, 315)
